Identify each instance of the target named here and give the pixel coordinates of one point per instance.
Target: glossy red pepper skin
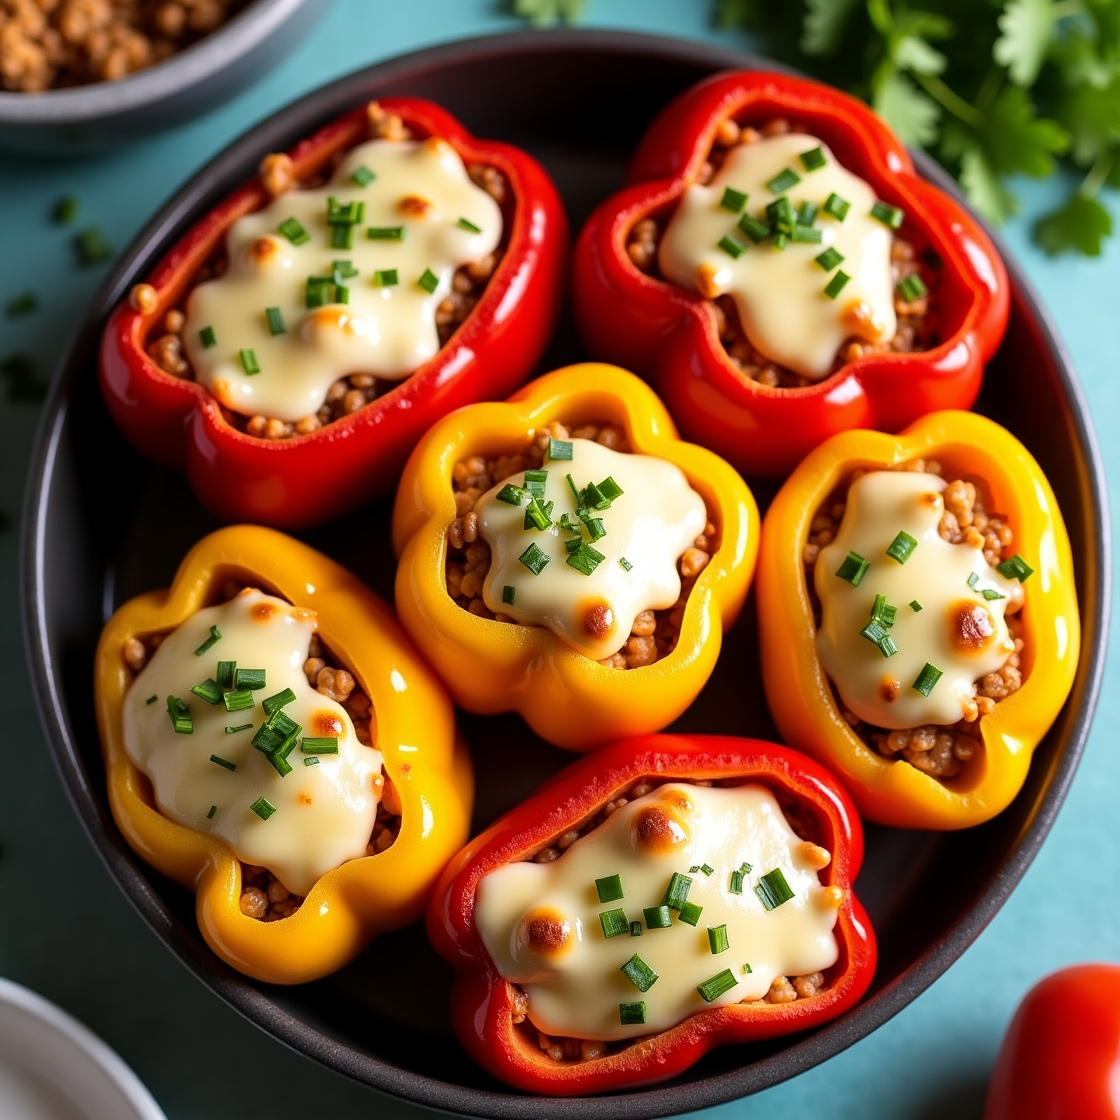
(481, 1001)
(669, 334)
(314, 478)
(1060, 1058)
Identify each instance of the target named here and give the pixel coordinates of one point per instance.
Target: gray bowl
(65, 121)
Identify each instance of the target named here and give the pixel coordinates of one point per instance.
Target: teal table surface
(68, 932)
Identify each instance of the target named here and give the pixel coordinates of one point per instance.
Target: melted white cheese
(575, 987)
(779, 293)
(650, 525)
(957, 630)
(386, 330)
(324, 813)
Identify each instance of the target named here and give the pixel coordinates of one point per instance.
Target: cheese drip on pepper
(428, 217)
(324, 813)
(780, 293)
(540, 922)
(644, 532)
(958, 629)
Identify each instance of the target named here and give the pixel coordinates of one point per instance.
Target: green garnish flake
(224, 763)
(915, 606)
(363, 176)
(734, 249)
(230, 730)
(65, 210)
(560, 450)
(733, 200)
(891, 216)
(509, 594)
(829, 259)
(322, 745)
(213, 810)
(902, 546)
(385, 278)
(215, 636)
(468, 225)
(614, 923)
(807, 213)
(990, 593)
(385, 233)
(927, 678)
(238, 700)
(510, 494)
(658, 917)
(773, 889)
(248, 678)
(747, 969)
(876, 632)
(180, 716)
(911, 288)
(92, 246)
(736, 886)
(836, 207)
(690, 913)
(609, 888)
(1015, 568)
(263, 808)
(630, 1014)
(274, 703)
(584, 559)
(781, 240)
(707, 868)
(208, 691)
(536, 559)
(745, 868)
(429, 281)
(319, 291)
(345, 213)
(275, 320)
(836, 285)
(152, 699)
(639, 973)
(293, 231)
(249, 361)
(22, 304)
(715, 987)
(806, 235)
(755, 229)
(782, 182)
(717, 939)
(312, 761)
(635, 929)
(676, 893)
(535, 482)
(780, 213)
(882, 612)
(626, 565)
(813, 159)
(225, 673)
(853, 568)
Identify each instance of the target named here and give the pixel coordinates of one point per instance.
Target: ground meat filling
(916, 331)
(785, 989)
(940, 751)
(353, 392)
(263, 896)
(655, 633)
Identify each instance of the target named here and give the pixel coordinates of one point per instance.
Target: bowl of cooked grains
(82, 74)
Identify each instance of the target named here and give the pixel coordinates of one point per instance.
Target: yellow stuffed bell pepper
(561, 689)
(800, 694)
(427, 768)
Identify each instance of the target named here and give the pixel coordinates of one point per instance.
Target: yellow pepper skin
(492, 666)
(799, 694)
(415, 731)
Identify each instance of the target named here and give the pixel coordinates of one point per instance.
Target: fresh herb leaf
(1025, 28)
(1080, 225)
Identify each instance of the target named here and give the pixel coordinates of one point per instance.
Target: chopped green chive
(152, 699)
(829, 259)
(215, 636)
(902, 546)
(225, 673)
(990, 593)
(230, 730)
(626, 565)
(853, 568)
(385, 233)
(707, 868)
(694, 869)
(756, 230)
(717, 939)
(273, 704)
(813, 159)
(773, 889)
(559, 449)
(889, 215)
(733, 200)
(609, 888)
(782, 182)
(248, 678)
(807, 213)
(385, 277)
(745, 868)
(731, 247)
(345, 213)
(781, 240)
(535, 559)
(293, 231)
(836, 285)
(658, 917)
(630, 1014)
(911, 288)
(927, 678)
(639, 973)
(319, 291)
(363, 176)
(805, 234)
(883, 612)
(915, 606)
(93, 247)
(1015, 568)
(22, 304)
(535, 482)
(468, 225)
(614, 923)
(263, 808)
(780, 213)
(875, 632)
(65, 210)
(509, 594)
(635, 929)
(312, 761)
(676, 893)
(180, 716)
(239, 700)
(510, 494)
(585, 559)
(429, 281)
(208, 691)
(249, 361)
(836, 207)
(747, 969)
(736, 886)
(213, 810)
(717, 985)
(224, 763)
(690, 913)
(325, 745)
(275, 320)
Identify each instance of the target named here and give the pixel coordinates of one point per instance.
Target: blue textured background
(67, 931)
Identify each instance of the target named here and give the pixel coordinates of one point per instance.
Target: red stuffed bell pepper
(663, 896)
(269, 403)
(884, 302)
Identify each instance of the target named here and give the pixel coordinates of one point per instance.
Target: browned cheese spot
(545, 931)
(262, 612)
(971, 627)
(325, 725)
(337, 318)
(657, 829)
(677, 799)
(262, 250)
(932, 499)
(414, 206)
(305, 799)
(706, 281)
(889, 689)
(596, 618)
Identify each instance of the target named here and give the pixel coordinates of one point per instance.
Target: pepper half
(482, 1001)
(800, 695)
(177, 423)
(491, 666)
(415, 732)
(670, 334)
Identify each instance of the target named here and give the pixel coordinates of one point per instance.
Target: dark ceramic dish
(578, 101)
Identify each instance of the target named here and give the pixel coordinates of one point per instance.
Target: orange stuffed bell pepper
(918, 616)
(273, 743)
(564, 555)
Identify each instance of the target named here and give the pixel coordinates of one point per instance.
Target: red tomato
(1060, 1058)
